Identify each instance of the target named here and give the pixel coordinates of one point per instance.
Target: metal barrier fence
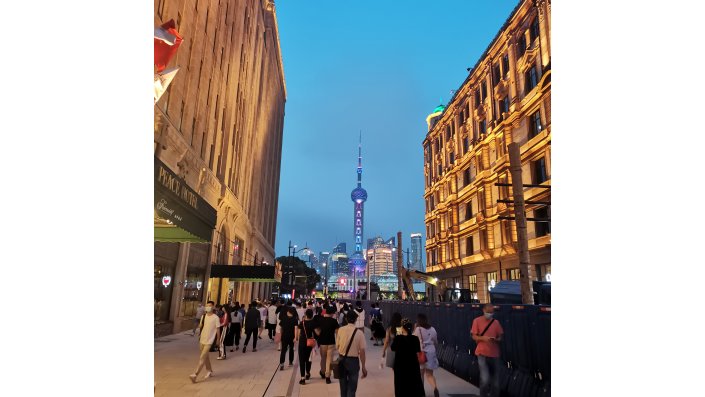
(525, 347)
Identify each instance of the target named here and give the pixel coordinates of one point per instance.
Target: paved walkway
(256, 374)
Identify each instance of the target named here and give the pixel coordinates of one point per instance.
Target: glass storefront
(162, 294)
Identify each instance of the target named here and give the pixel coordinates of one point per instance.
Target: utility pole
(527, 295)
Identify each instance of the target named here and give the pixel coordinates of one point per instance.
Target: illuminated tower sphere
(358, 196)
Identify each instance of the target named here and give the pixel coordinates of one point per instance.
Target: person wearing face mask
(487, 332)
(210, 331)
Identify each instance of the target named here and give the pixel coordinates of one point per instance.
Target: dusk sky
(379, 68)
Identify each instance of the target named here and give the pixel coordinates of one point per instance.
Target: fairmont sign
(181, 207)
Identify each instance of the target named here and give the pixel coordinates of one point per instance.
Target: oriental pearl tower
(357, 261)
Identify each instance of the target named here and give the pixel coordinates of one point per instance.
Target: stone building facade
(505, 98)
(219, 127)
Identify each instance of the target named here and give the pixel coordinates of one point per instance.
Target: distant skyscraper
(417, 252)
(357, 261)
(380, 258)
(340, 249)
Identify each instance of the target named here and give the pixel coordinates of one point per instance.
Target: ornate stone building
(219, 129)
(505, 98)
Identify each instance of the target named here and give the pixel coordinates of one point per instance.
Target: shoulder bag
(422, 354)
(335, 364)
(310, 342)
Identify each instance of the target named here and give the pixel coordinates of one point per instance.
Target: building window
(483, 126)
(468, 211)
(513, 274)
(496, 74)
(500, 147)
(358, 222)
(490, 276)
(507, 237)
(505, 66)
(358, 231)
(481, 201)
(452, 157)
(480, 165)
(466, 177)
(483, 240)
(503, 190)
(503, 106)
(521, 45)
(472, 283)
(542, 228)
(469, 248)
(484, 90)
(440, 170)
(540, 174)
(478, 102)
(535, 126)
(534, 31)
(530, 79)
(466, 144)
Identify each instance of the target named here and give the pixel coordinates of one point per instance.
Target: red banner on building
(166, 41)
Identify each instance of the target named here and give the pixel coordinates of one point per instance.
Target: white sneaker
(209, 375)
(193, 378)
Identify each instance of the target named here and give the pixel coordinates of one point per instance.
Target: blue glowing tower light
(358, 196)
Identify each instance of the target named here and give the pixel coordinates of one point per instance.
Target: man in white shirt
(300, 311)
(272, 320)
(352, 363)
(210, 330)
(360, 322)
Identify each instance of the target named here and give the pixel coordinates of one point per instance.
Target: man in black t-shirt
(326, 329)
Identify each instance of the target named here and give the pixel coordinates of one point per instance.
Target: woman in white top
(263, 312)
(429, 341)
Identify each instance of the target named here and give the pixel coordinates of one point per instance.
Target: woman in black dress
(304, 332)
(287, 324)
(407, 377)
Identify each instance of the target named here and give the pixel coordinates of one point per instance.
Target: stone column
(177, 286)
(513, 80)
(542, 7)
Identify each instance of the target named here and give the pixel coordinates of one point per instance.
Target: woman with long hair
(235, 328)
(392, 331)
(304, 332)
(407, 377)
(429, 341)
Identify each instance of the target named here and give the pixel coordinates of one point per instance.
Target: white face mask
(488, 315)
(209, 309)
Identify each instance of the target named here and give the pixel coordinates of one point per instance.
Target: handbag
(335, 364)
(422, 354)
(310, 342)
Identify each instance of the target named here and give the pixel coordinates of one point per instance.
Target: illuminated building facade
(219, 128)
(380, 258)
(505, 98)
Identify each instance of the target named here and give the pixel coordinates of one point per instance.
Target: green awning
(180, 214)
(174, 234)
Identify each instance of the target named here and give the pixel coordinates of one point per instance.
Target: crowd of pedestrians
(333, 333)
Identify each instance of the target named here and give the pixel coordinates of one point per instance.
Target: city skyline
(392, 75)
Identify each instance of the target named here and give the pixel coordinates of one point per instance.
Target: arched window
(357, 231)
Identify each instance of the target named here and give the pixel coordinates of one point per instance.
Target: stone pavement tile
(256, 374)
(240, 374)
